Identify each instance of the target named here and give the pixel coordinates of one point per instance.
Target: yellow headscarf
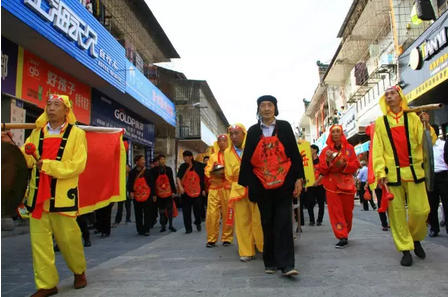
(216, 146)
(70, 117)
(241, 127)
(383, 102)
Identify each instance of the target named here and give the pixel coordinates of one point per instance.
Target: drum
(14, 178)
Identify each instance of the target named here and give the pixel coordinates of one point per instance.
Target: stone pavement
(180, 265)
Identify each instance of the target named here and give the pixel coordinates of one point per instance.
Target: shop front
(424, 70)
(139, 132)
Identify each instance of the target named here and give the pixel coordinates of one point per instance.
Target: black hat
(270, 99)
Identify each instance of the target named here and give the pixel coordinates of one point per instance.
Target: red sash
(271, 165)
(163, 187)
(50, 148)
(191, 183)
(141, 188)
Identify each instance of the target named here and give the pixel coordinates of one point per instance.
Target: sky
(245, 49)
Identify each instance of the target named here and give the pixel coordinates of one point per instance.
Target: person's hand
(39, 164)
(382, 181)
(203, 193)
(297, 188)
(172, 195)
(131, 195)
(366, 187)
(7, 137)
(316, 183)
(181, 190)
(424, 117)
(329, 155)
(154, 198)
(341, 163)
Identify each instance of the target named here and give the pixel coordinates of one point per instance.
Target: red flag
(103, 180)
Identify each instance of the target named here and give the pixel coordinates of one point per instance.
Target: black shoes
(289, 271)
(189, 231)
(342, 243)
(407, 259)
(433, 234)
(210, 244)
(163, 229)
(87, 243)
(172, 229)
(146, 234)
(319, 224)
(270, 270)
(199, 227)
(226, 243)
(311, 223)
(418, 250)
(385, 229)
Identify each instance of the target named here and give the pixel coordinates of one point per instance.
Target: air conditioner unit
(387, 59)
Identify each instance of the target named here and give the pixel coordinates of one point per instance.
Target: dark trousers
(316, 195)
(302, 206)
(144, 215)
(383, 217)
(440, 193)
(204, 205)
(119, 215)
(82, 223)
(103, 217)
(276, 219)
(187, 204)
(365, 203)
(165, 206)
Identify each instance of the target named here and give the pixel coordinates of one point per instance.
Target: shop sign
(207, 136)
(424, 65)
(139, 87)
(9, 66)
(349, 121)
(40, 79)
(108, 113)
(71, 27)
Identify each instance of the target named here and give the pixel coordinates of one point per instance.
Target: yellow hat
(71, 119)
(240, 127)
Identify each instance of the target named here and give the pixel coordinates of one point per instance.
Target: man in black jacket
(165, 188)
(190, 182)
(272, 169)
(144, 208)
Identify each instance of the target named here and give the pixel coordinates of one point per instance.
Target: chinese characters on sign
(41, 79)
(9, 66)
(67, 22)
(139, 87)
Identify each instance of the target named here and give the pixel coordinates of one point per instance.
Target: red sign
(40, 79)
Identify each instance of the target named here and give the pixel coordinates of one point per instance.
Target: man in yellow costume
(246, 214)
(397, 162)
(59, 159)
(218, 196)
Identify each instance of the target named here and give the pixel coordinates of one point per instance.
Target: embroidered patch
(339, 226)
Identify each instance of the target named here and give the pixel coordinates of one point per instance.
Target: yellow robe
(59, 212)
(218, 200)
(404, 231)
(66, 171)
(247, 216)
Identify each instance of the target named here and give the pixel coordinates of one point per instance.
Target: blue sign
(71, 27)
(108, 113)
(139, 87)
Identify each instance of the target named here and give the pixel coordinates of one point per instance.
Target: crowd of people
(247, 185)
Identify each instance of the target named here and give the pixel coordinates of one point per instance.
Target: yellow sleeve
(379, 163)
(209, 166)
(72, 167)
(30, 161)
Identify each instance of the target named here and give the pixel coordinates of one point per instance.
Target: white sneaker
(245, 259)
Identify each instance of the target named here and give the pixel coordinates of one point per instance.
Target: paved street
(180, 265)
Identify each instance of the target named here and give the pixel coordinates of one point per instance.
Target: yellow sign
(307, 159)
(428, 85)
